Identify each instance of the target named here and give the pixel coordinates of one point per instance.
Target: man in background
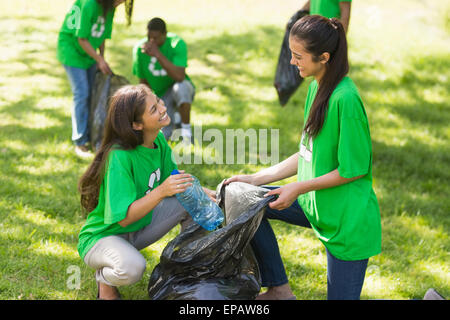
(160, 62)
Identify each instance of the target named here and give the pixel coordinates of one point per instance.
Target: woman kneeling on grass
(129, 191)
(334, 194)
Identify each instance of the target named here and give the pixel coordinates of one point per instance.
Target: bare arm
(345, 8)
(102, 49)
(280, 171)
(175, 72)
(141, 207)
(306, 6)
(290, 192)
(87, 47)
(285, 169)
(329, 180)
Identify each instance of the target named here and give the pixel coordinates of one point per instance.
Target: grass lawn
(400, 60)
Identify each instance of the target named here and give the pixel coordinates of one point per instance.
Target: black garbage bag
(214, 265)
(287, 77)
(104, 87)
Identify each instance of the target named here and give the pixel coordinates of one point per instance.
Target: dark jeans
(345, 279)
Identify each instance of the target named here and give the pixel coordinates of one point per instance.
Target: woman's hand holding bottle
(174, 184)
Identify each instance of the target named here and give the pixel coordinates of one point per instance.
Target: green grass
(400, 60)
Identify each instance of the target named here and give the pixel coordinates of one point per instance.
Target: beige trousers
(117, 259)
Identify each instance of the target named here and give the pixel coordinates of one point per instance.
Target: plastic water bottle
(203, 211)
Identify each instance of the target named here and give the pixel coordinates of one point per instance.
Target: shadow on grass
(415, 172)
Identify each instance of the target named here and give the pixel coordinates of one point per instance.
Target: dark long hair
(319, 34)
(127, 106)
(106, 5)
(129, 10)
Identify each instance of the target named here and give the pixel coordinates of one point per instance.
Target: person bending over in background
(85, 28)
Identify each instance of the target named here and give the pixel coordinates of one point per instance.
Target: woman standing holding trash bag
(85, 28)
(333, 194)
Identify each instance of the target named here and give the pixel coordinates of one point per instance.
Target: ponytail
(319, 35)
(107, 5)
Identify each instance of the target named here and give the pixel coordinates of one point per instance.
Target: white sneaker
(83, 151)
(176, 118)
(432, 294)
(186, 135)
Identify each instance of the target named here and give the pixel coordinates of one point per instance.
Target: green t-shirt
(346, 218)
(148, 68)
(326, 8)
(84, 20)
(129, 176)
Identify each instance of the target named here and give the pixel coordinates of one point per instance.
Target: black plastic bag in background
(287, 77)
(217, 265)
(129, 10)
(104, 87)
